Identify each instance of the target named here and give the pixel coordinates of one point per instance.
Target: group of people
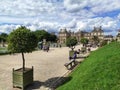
(46, 48)
(57, 45)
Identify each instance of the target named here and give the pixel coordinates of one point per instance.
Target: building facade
(108, 37)
(64, 34)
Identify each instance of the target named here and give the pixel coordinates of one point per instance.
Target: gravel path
(48, 67)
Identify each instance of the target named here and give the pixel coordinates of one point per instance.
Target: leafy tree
(52, 38)
(22, 40)
(71, 42)
(84, 41)
(3, 38)
(42, 34)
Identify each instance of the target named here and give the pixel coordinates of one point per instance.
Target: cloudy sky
(52, 15)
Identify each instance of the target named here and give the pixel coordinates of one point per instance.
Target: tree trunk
(23, 61)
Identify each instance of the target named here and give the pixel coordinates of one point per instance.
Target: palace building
(64, 34)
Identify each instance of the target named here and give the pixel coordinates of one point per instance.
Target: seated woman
(74, 56)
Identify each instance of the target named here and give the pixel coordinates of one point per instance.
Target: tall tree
(22, 40)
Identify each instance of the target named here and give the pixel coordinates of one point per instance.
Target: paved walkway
(48, 67)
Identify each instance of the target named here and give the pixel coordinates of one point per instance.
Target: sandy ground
(48, 66)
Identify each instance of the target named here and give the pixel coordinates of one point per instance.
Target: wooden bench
(70, 64)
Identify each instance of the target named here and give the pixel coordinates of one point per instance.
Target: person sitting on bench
(74, 56)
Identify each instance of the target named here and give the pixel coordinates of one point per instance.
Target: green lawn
(100, 71)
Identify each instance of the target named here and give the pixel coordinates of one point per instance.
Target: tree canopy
(52, 38)
(42, 34)
(71, 41)
(84, 41)
(21, 40)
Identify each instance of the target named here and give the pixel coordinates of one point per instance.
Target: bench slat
(70, 65)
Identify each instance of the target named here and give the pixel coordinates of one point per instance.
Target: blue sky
(52, 15)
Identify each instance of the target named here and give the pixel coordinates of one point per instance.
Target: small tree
(22, 40)
(84, 41)
(71, 42)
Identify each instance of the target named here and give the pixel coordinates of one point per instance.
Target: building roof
(97, 29)
(64, 30)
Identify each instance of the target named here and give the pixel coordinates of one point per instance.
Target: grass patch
(100, 71)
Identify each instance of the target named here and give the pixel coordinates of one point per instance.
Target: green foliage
(100, 71)
(42, 34)
(52, 38)
(70, 42)
(0, 38)
(21, 40)
(3, 37)
(84, 41)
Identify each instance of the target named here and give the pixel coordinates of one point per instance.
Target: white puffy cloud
(92, 5)
(55, 14)
(74, 5)
(38, 25)
(71, 24)
(109, 25)
(48, 26)
(118, 16)
(8, 28)
(25, 8)
(105, 6)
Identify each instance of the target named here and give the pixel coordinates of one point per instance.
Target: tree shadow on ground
(56, 82)
(51, 83)
(34, 85)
